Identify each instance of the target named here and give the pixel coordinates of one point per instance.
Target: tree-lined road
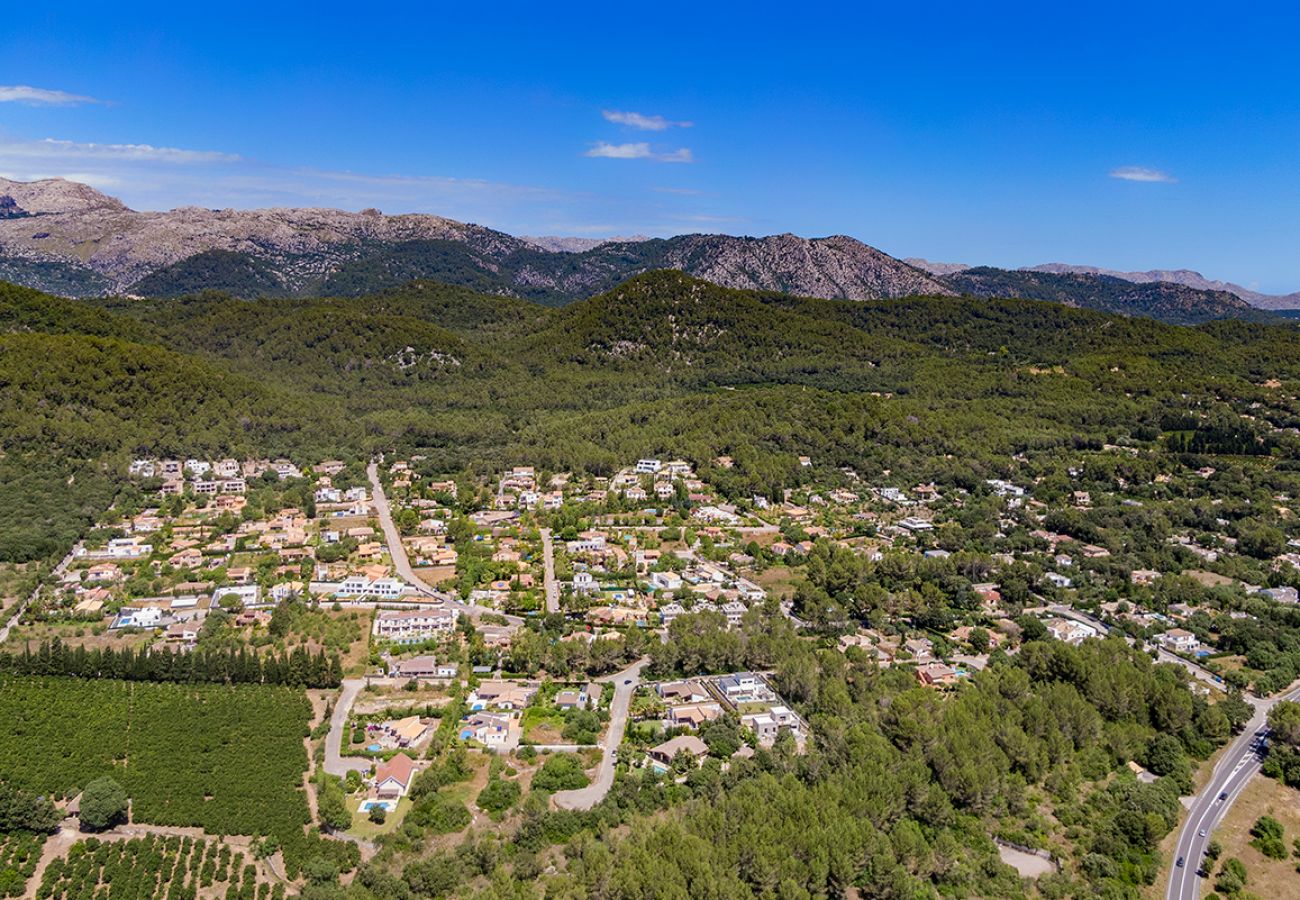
(548, 568)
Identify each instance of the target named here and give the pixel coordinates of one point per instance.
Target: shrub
(561, 772)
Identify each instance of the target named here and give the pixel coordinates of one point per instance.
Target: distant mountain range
(1184, 277)
(70, 239)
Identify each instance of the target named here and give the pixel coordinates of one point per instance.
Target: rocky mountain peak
(57, 195)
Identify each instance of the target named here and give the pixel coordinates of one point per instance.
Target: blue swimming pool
(388, 805)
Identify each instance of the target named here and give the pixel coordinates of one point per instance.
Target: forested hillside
(663, 364)
(1166, 301)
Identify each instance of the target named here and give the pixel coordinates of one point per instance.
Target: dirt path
(318, 705)
(56, 846)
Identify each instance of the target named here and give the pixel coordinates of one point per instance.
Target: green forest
(662, 364)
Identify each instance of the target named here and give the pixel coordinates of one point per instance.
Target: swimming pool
(367, 805)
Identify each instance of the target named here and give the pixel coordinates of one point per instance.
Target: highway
(1240, 763)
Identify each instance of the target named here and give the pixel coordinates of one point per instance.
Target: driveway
(625, 684)
(335, 762)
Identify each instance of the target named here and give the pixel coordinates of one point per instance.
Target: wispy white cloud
(639, 150)
(33, 96)
(642, 122)
(53, 151)
(135, 152)
(147, 177)
(1141, 173)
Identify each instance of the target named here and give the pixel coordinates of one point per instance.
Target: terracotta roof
(399, 768)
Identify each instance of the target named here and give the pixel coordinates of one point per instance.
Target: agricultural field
(154, 868)
(229, 760)
(19, 853)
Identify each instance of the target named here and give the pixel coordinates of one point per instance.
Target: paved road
(1239, 764)
(397, 550)
(394, 537)
(548, 565)
(625, 684)
(335, 763)
(22, 604)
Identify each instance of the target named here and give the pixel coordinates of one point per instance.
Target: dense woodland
(664, 364)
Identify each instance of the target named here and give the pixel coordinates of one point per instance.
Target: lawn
(363, 828)
(776, 580)
(542, 725)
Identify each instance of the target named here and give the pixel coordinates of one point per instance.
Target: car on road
(1202, 833)
(1181, 861)
(1223, 796)
(627, 680)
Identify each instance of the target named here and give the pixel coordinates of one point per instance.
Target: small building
(936, 674)
(489, 730)
(393, 778)
(407, 731)
(1070, 632)
(682, 692)
(662, 756)
(1179, 640)
(422, 667)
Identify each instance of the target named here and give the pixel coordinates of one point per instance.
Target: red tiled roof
(399, 768)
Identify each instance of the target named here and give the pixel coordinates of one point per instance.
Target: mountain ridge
(71, 239)
(1185, 277)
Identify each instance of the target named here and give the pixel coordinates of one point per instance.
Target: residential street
(335, 763)
(393, 537)
(625, 684)
(402, 564)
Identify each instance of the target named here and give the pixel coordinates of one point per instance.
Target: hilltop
(1166, 301)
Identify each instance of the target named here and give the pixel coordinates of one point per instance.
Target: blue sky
(1130, 136)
